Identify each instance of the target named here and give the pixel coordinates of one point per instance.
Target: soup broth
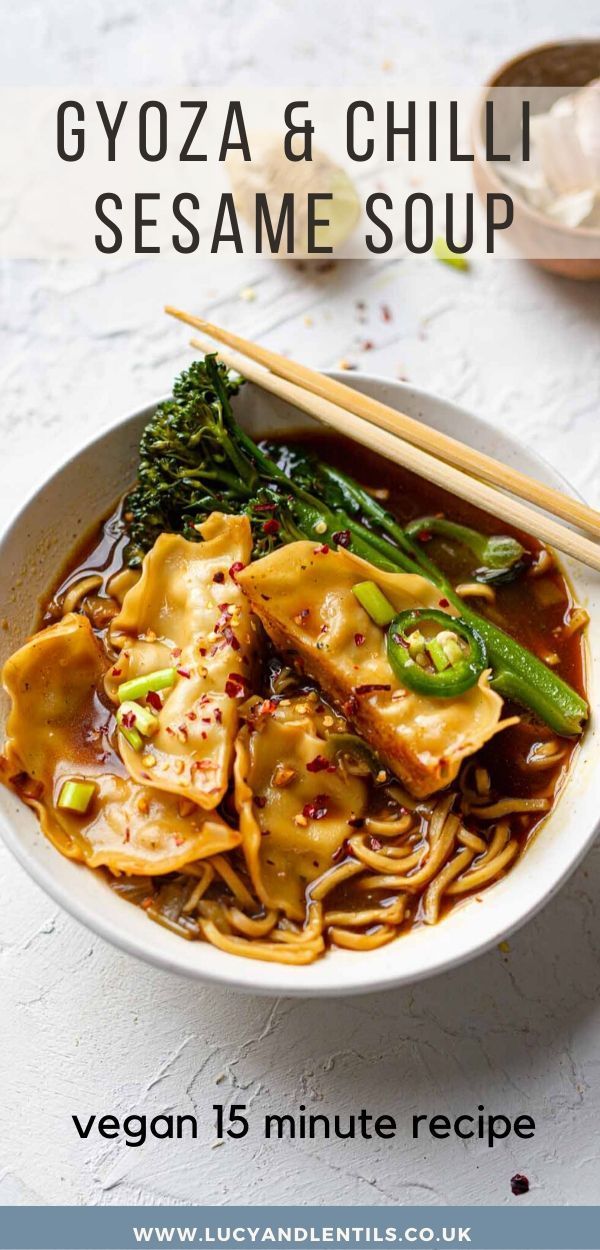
(498, 800)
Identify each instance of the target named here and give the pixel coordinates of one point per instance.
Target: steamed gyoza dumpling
(58, 731)
(303, 596)
(187, 614)
(294, 799)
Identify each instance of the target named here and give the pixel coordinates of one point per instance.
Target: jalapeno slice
(441, 662)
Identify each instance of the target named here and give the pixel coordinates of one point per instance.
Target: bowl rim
(583, 232)
(245, 974)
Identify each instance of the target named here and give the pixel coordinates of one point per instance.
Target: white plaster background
(84, 1028)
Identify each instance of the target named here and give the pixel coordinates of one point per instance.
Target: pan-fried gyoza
(291, 697)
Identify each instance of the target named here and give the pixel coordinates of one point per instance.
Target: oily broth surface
(532, 610)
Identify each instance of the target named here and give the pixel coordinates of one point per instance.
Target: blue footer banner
(307, 1228)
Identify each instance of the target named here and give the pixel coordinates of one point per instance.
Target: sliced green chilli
(422, 670)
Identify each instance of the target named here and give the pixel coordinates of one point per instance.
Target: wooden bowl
(571, 251)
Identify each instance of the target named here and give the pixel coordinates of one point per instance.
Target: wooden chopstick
(394, 448)
(455, 453)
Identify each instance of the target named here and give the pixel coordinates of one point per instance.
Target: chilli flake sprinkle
(317, 809)
(319, 765)
(342, 538)
(235, 686)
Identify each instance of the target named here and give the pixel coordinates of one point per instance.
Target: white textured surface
(84, 1029)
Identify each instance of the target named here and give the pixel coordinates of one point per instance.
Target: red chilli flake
(235, 686)
(371, 687)
(359, 640)
(425, 536)
(230, 637)
(219, 578)
(519, 1184)
(116, 672)
(154, 699)
(323, 550)
(386, 313)
(343, 538)
(176, 652)
(318, 765)
(350, 707)
(183, 672)
(444, 603)
(271, 526)
(128, 720)
(267, 707)
(317, 809)
(342, 850)
(374, 844)
(236, 568)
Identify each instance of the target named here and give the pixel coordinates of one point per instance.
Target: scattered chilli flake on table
(519, 1184)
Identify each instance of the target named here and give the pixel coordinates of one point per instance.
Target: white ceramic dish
(32, 550)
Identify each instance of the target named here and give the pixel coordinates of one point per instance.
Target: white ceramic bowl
(32, 550)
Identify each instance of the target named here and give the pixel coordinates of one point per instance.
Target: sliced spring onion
(76, 796)
(139, 687)
(438, 655)
(373, 600)
(416, 644)
(132, 736)
(141, 718)
(450, 646)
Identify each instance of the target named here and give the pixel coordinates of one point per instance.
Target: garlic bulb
(271, 173)
(562, 179)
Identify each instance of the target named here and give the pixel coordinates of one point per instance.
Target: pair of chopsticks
(438, 458)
